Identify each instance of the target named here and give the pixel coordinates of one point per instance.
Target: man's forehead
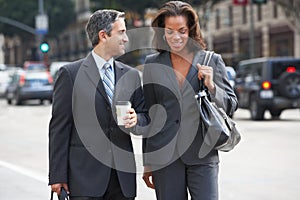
(119, 23)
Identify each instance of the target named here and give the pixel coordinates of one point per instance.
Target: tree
(60, 13)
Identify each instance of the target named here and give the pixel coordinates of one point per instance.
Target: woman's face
(176, 32)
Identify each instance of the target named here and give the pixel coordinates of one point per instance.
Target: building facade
(229, 29)
(227, 32)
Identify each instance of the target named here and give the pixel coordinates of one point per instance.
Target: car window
(279, 67)
(36, 67)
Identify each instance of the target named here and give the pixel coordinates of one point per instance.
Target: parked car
(54, 67)
(268, 84)
(6, 72)
(231, 75)
(27, 85)
(35, 65)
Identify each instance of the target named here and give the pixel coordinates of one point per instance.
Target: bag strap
(206, 61)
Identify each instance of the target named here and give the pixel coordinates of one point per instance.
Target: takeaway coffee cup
(122, 108)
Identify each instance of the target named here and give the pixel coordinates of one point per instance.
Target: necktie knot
(107, 66)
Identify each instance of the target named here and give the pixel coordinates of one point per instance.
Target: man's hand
(57, 187)
(147, 176)
(130, 120)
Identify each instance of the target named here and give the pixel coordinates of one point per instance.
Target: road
(265, 165)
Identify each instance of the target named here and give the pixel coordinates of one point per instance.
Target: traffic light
(44, 47)
(259, 1)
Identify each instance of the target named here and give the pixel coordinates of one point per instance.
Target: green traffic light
(44, 47)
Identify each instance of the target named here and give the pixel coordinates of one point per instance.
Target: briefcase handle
(63, 195)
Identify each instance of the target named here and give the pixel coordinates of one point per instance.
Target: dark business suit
(172, 148)
(84, 140)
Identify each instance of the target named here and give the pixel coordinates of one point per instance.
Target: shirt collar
(100, 61)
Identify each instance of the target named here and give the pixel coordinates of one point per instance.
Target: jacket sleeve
(150, 99)
(139, 106)
(60, 128)
(224, 97)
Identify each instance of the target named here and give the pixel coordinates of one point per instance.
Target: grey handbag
(220, 130)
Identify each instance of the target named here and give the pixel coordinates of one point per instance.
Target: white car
(54, 67)
(231, 75)
(5, 78)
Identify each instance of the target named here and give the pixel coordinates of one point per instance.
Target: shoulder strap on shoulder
(207, 58)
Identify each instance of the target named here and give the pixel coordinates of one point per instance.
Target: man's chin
(120, 53)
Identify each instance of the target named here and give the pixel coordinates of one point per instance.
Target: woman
(171, 80)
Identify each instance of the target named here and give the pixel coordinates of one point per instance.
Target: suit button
(177, 121)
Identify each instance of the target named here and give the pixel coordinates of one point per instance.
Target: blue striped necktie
(108, 81)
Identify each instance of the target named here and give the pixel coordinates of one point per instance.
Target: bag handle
(63, 195)
(206, 61)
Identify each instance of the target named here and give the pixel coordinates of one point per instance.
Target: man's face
(115, 44)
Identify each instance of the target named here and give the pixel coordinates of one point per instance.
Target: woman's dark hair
(172, 9)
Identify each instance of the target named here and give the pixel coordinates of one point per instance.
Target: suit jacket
(85, 141)
(175, 130)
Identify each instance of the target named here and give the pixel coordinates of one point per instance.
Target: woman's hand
(206, 73)
(147, 176)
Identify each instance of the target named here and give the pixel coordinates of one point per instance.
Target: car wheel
(289, 85)
(16, 99)
(8, 101)
(275, 113)
(256, 111)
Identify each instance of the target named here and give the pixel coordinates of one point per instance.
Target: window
(230, 16)
(275, 10)
(244, 14)
(259, 17)
(217, 18)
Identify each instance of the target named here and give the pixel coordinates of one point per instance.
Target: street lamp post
(41, 25)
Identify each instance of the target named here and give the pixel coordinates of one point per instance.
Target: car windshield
(41, 78)
(36, 67)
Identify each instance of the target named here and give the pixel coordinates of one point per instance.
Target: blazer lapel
(166, 61)
(119, 72)
(192, 76)
(92, 72)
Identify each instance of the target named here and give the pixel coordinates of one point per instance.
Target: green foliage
(60, 13)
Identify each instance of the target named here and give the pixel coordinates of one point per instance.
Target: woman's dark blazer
(175, 129)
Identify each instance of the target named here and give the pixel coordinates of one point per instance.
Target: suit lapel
(119, 72)
(169, 71)
(92, 72)
(192, 76)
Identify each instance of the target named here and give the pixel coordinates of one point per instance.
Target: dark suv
(268, 84)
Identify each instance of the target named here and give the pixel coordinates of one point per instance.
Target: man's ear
(102, 35)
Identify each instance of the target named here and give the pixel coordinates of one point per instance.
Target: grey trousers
(175, 180)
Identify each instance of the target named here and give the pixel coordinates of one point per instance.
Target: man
(90, 156)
